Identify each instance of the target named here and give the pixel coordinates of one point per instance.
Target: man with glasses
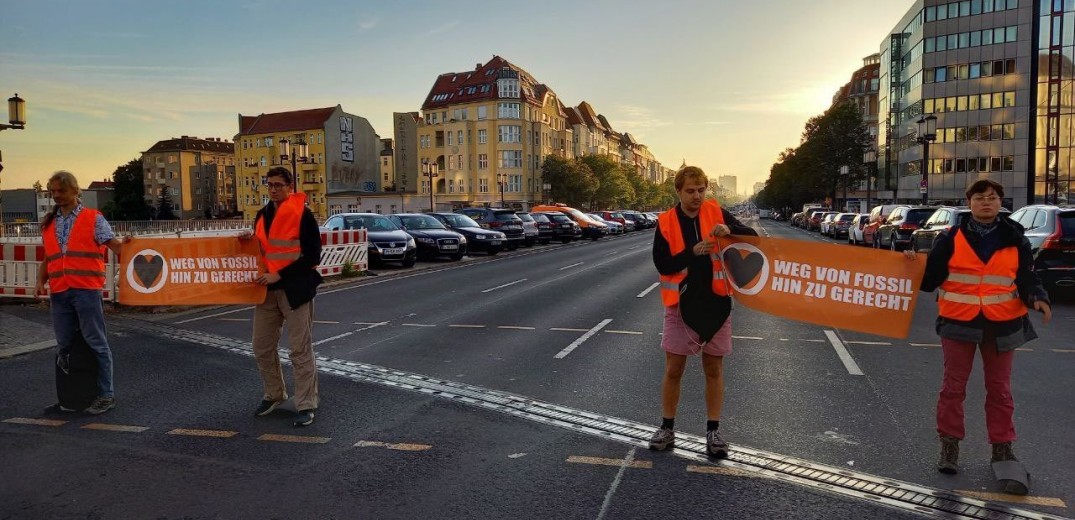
(983, 273)
(291, 249)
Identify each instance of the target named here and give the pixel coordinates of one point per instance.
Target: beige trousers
(269, 319)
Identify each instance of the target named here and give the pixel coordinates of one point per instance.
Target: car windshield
(457, 220)
(915, 215)
(506, 215)
(615, 215)
(370, 223)
(847, 217)
(525, 217)
(421, 222)
(1067, 224)
(559, 218)
(540, 218)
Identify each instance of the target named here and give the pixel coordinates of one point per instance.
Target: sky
(722, 84)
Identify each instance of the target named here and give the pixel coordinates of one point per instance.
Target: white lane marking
(845, 356)
(345, 334)
(624, 332)
(612, 253)
(236, 319)
(648, 289)
(466, 326)
(925, 345)
(417, 325)
(505, 285)
(784, 339)
(325, 322)
(867, 343)
(514, 327)
(747, 337)
(572, 265)
(574, 344)
(615, 484)
(568, 330)
(815, 340)
(207, 316)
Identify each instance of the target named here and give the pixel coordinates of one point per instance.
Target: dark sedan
(478, 239)
(432, 237)
(564, 228)
(386, 241)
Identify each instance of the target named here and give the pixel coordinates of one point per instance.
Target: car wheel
(456, 257)
(513, 247)
(409, 262)
(493, 251)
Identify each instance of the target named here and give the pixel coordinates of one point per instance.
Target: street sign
(923, 186)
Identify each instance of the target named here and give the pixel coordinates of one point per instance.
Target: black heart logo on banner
(743, 269)
(148, 268)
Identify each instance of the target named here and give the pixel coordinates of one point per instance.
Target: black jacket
(1008, 334)
(299, 280)
(698, 294)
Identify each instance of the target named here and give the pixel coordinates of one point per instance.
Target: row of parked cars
(406, 237)
(1050, 230)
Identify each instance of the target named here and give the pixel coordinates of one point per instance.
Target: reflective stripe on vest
(974, 288)
(281, 246)
(668, 222)
(82, 266)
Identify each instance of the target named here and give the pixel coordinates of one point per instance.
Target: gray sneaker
(101, 405)
(663, 439)
(715, 445)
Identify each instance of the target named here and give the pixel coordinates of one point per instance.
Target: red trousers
(999, 405)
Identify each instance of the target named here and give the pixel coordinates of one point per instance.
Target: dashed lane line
(220, 434)
(207, 316)
(35, 422)
(515, 327)
(115, 428)
(568, 330)
(1064, 350)
(509, 284)
(1014, 499)
(465, 326)
(747, 337)
(635, 332)
(936, 345)
(398, 446)
(326, 322)
(300, 439)
(233, 319)
(648, 289)
(602, 461)
(345, 334)
(574, 344)
(417, 325)
(845, 356)
(868, 343)
(572, 265)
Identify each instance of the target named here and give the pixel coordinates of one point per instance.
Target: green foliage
(348, 270)
(614, 186)
(164, 206)
(128, 202)
(573, 183)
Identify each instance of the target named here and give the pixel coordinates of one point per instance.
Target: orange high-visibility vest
(281, 246)
(709, 216)
(973, 286)
(82, 266)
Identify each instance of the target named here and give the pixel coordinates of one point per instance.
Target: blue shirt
(102, 231)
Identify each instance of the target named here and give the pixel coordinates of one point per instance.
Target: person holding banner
(984, 277)
(697, 301)
(75, 238)
(291, 249)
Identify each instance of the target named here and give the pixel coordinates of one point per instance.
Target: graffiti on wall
(347, 139)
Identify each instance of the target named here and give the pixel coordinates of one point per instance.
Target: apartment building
(197, 174)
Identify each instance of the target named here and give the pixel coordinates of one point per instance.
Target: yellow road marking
(293, 438)
(624, 332)
(393, 446)
(641, 464)
(1013, 499)
(115, 427)
(720, 470)
(468, 326)
(570, 330)
(36, 422)
(513, 327)
(203, 433)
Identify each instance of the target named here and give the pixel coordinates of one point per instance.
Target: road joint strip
(845, 356)
(398, 446)
(575, 344)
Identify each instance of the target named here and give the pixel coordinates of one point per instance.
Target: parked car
(614, 228)
(432, 237)
(854, 231)
(479, 239)
(386, 241)
(877, 217)
(616, 216)
(813, 220)
(564, 228)
(1051, 232)
(502, 220)
(841, 224)
(530, 228)
(590, 228)
(640, 221)
(545, 227)
(944, 218)
(825, 222)
(895, 233)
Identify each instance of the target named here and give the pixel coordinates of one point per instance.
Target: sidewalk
(25, 328)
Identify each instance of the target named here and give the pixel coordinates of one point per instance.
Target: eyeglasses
(992, 198)
(276, 185)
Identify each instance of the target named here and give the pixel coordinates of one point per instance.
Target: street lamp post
(501, 179)
(844, 171)
(299, 155)
(16, 112)
(870, 159)
(548, 192)
(927, 133)
(430, 170)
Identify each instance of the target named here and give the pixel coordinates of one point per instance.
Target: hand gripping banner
(190, 271)
(864, 290)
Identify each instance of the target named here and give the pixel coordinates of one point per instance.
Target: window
(987, 36)
(483, 136)
(459, 138)
(1009, 131)
(483, 161)
(451, 185)
(961, 165)
(941, 74)
(1009, 99)
(1009, 163)
(262, 162)
(459, 161)
(983, 164)
(511, 159)
(451, 162)
(509, 133)
(515, 183)
(975, 70)
(994, 163)
(1012, 33)
(508, 110)
(1009, 67)
(450, 134)
(481, 111)
(483, 185)
(508, 88)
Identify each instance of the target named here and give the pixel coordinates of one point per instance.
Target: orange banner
(837, 286)
(190, 271)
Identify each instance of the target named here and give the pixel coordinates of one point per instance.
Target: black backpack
(76, 374)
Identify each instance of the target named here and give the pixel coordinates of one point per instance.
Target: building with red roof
(197, 174)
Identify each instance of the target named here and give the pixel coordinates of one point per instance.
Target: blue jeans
(81, 309)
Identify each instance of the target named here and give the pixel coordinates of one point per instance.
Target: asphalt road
(572, 325)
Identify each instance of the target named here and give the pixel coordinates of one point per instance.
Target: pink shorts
(680, 339)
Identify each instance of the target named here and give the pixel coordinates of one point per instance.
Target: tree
(572, 181)
(128, 195)
(614, 189)
(164, 206)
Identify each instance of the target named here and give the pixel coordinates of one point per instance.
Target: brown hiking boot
(949, 463)
(1003, 451)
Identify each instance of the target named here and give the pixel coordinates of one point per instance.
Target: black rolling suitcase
(76, 375)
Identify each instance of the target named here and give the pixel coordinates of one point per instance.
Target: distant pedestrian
(291, 249)
(75, 238)
(697, 301)
(983, 273)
